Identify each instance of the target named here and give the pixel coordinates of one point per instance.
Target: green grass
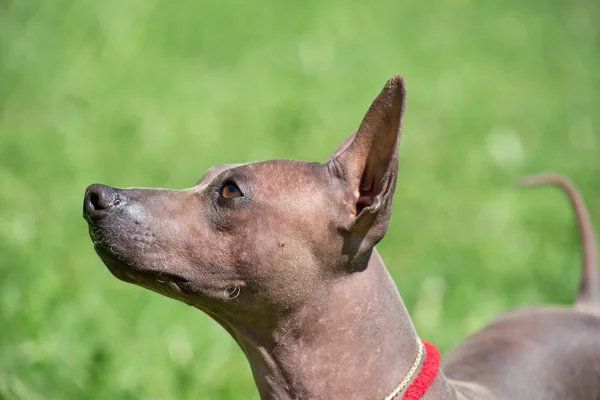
(152, 93)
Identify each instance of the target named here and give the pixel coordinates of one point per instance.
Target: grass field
(152, 93)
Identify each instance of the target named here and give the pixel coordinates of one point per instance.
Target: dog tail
(589, 290)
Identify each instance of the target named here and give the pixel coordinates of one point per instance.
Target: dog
(282, 254)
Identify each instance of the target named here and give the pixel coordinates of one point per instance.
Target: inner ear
(368, 159)
(367, 194)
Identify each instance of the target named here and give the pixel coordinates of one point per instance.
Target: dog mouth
(120, 252)
(130, 242)
(124, 268)
(161, 281)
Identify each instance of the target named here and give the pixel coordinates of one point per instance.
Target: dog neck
(356, 341)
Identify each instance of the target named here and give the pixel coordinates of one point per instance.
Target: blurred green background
(153, 92)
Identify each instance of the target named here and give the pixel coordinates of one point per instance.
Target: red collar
(419, 386)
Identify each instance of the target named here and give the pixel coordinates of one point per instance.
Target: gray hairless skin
(281, 254)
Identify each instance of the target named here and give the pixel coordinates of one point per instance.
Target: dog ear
(366, 163)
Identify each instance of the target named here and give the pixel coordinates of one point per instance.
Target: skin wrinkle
(318, 315)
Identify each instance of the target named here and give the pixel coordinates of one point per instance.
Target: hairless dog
(281, 254)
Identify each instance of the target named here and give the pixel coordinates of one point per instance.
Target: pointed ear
(366, 163)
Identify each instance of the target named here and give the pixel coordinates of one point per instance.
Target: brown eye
(230, 191)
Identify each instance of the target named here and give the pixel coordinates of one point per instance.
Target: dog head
(252, 241)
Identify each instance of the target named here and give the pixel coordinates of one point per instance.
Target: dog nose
(98, 200)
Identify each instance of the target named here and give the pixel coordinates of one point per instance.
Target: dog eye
(230, 191)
